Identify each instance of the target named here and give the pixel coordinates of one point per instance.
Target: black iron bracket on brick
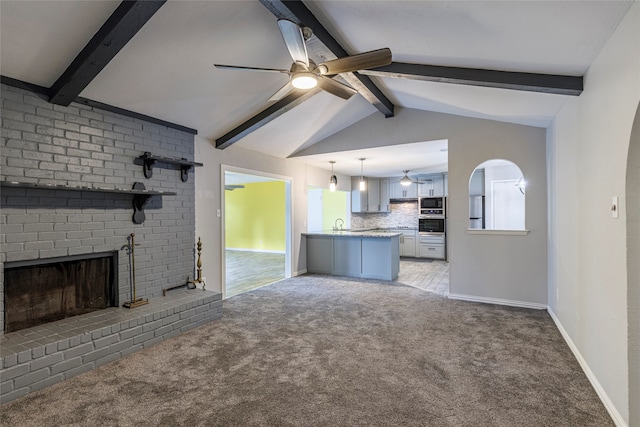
(148, 161)
(140, 194)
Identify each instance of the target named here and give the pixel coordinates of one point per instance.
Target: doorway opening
(256, 229)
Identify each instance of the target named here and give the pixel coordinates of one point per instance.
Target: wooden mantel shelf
(140, 194)
(148, 161)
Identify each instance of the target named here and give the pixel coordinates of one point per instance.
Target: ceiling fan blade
(282, 92)
(238, 67)
(293, 38)
(335, 88)
(361, 61)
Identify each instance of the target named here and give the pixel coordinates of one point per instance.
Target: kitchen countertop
(357, 232)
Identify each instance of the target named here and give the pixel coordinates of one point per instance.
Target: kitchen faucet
(335, 224)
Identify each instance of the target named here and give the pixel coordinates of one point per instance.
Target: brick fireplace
(75, 167)
(45, 290)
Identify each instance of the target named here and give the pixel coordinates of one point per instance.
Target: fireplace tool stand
(135, 302)
(191, 284)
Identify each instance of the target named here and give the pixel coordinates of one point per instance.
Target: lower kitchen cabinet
(408, 246)
(347, 255)
(407, 242)
(432, 247)
(380, 258)
(322, 248)
(354, 254)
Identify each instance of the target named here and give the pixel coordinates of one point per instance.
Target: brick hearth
(37, 357)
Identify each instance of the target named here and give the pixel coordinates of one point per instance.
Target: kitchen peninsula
(367, 254)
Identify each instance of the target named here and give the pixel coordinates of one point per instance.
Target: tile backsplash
(402, 215)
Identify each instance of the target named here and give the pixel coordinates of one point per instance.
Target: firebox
(45, 290)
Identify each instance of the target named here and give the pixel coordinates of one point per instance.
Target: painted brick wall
(85, 146)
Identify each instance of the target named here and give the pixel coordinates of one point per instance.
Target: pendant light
(333, 181)
(363, 184)
(406, 181)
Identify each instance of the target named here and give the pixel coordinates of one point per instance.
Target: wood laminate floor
(249, 270)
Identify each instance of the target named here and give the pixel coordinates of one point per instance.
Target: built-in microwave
(431, 225)
(432, 206)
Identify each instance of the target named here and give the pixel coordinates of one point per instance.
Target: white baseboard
(498, 301)
(608, 404)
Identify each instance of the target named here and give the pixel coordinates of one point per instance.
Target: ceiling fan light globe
(304, 80)
(405, 181)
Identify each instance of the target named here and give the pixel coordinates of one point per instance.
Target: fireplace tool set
(129, 247)
(191, 284)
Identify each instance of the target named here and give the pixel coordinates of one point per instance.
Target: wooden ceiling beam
(270, 113)
(128, 18)
(546, 83)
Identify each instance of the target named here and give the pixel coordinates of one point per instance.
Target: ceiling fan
(406, 181)
(305, 74)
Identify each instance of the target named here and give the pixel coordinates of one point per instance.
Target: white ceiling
(166, 71)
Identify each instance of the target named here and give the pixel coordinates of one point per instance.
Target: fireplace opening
(46, 290)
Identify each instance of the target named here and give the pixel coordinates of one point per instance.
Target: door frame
(288, 257)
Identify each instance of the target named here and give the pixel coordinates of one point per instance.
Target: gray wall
(84, 146)
(496, 268)
(591, 297)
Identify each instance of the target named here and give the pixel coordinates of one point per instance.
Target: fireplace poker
(130, 246)
(192, 284)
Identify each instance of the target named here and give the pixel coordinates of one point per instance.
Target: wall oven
(431, 225)
(432, 207)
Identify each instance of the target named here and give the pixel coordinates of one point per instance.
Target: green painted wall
(255, 217)
(334, 206)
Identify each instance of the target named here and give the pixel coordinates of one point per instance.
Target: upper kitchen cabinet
(432, 185)
(375, 198)
(399, 191)
(476, 183)
(384, 196)
(446, 183)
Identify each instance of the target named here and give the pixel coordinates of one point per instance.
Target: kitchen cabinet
(347, 255)
(373, 195)
(371, 255)
(432, 185)
(380, 258)
(446, 184)
(384, 196)
(432, 246)
(407, 242)
(374, 199)
(399, 191)
(322, 249)
(476, 184)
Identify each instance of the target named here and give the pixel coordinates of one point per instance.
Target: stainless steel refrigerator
(476, 212)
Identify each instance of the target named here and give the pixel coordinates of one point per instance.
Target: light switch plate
(615, 207)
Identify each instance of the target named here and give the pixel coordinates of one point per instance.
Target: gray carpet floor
(326, 351)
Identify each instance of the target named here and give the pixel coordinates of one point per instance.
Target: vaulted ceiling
(158, 60)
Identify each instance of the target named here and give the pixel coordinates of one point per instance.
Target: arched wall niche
(497, 196)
